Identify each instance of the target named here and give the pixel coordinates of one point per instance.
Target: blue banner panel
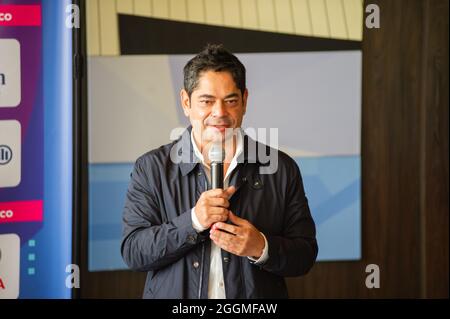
(35, 149)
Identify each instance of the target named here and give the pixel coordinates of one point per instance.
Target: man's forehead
(208, 83)
(208, 78)
(211, 96)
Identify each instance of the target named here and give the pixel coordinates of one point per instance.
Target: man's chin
(215, 136)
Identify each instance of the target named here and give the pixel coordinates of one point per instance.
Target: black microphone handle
(217, 179)
(216, 175)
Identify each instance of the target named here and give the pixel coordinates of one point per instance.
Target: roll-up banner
(35, 149)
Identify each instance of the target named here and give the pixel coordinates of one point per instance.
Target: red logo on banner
(23, 211)
(20, 15)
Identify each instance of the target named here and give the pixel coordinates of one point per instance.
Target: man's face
(215, 105)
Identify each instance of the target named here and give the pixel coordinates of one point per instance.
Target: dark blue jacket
(158, 236)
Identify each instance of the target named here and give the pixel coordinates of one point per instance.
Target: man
(236, 242)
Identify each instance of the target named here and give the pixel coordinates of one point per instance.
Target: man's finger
(218, 218)
(221, 236)
(223, 193)
(236, 220)
(218, 202)
(225, 241)
(217, 192)
(227, 227)
(218, 211)
(230, 191)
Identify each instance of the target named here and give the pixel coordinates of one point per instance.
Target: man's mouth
(220, 128)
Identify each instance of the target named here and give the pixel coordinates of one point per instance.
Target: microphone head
(216, 153)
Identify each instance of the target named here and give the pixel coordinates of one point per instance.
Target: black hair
(216, 58)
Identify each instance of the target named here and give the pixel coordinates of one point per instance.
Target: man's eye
(206, 101)
(231, 102)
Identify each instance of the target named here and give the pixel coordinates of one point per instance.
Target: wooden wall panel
(435, 164)
(404, 175)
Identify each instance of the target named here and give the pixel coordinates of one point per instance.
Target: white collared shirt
(216, 285)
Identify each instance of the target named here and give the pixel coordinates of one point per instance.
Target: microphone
(216, 156)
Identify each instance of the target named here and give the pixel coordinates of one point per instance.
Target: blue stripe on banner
(54, 241)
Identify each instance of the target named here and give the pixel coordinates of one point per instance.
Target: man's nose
(219, 109)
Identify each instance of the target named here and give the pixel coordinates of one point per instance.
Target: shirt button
(226, 259)
(221, 284)
(196, 264)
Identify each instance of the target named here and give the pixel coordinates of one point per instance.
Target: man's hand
(242, 238)
(212, 206)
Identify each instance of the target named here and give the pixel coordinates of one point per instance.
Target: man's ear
(185, 102)
(244, 100)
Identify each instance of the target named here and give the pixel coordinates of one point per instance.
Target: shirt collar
(239, 147)
(183, 151)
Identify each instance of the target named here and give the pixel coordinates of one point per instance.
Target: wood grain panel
(435, 132)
